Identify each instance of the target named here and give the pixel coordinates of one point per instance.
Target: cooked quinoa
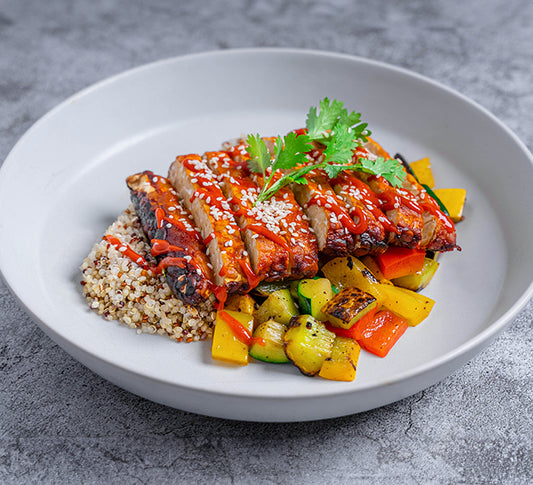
(118, 289)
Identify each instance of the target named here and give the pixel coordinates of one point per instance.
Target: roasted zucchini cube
(279, 306)
(272, 333)
(308, 343)
(342, 363)
(419, 280)
(347, 307)
(313, 294)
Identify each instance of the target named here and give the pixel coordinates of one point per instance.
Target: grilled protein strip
(282, 216)
(174, 238)
(200, 191)
(270, 257)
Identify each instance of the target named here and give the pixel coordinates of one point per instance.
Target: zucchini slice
(272, 333)
(266, 288)
(308, 343)
(350, 305)
(342, 363)
(279, 306)
(313, 295)
(419, 280)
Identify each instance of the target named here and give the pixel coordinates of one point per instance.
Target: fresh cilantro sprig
(332, 126)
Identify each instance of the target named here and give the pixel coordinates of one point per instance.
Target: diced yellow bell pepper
(342, 363)
(373, 266)
(226, 346)
(422, 170)
(240, 303)
(411, 306)
(453, 200)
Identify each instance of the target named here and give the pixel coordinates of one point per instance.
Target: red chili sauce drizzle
(342, 215)
(263, 231)
(253, 279)
(241, 333)
(138, 259)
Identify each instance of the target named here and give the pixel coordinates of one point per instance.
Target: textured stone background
(61, 423)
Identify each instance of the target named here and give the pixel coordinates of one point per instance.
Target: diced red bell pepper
(352, 331)
(398, 262)
(380, 334)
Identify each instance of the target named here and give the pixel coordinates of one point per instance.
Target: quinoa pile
(118, 289)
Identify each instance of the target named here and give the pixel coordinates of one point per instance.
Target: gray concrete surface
(60, 423)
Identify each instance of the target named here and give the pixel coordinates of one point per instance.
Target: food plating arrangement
(301, 248)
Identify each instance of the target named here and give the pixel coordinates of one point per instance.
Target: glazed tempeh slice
(198, 187)
(438, 231)
(175, 240)
(291, 219)
(363, 206)
(268, 251)
(327, 214)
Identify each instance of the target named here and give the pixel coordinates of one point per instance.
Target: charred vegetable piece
(422, 172)
(419, 280)
(349, 271)
(240, 303)
(232, 330)
(350, 305)
(398, 262)
(313, 295)
(381, 333)
(308, 343)
(272, 333)
(279, 306)
(266, 288)
(373, 266)
(342, 363)
(454, 201)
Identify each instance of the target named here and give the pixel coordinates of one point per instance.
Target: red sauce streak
(160, 246)
(241, 333)
(211, 236)
(221, 295)
(362, 225)
(127, 251)
(253, 279)
(391, 199)
(342, 215)
(223, 271)
(263, 231)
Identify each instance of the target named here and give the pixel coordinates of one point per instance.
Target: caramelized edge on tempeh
(189, 276)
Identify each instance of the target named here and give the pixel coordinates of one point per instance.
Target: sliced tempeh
(198, 187)
(327, 214)
(363, 206)
(174, 238)
(269, 256)
(283, 210)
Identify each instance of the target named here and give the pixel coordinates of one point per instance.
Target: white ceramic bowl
(63, 184)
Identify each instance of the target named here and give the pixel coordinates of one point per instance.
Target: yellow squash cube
(453, 200)
(226, 346)
(422, 171)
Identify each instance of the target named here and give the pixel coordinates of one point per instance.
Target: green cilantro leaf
(260, 158)
(340, 146)
(293, 152)
(391, 170)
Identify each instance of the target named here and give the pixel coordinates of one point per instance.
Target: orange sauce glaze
(329, 204)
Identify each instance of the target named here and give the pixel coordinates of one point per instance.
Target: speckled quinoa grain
(118, 289)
